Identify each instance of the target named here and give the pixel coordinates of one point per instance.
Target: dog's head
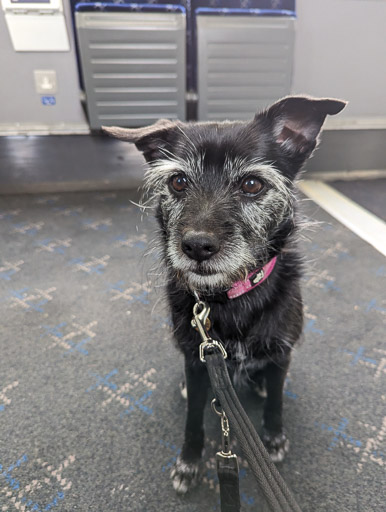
(225, 190)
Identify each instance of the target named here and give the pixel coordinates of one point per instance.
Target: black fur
(259, 328)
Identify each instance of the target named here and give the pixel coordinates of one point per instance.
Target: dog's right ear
(151, 140)
(297, 120)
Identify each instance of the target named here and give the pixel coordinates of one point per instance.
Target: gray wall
(21, 109)
(340, 51)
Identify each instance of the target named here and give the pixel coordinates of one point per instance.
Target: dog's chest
(242, 365)
(246, 355)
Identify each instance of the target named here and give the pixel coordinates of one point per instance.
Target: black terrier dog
(226, 208)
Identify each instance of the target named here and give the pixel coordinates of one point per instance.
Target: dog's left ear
(151, 140)
(296, 122)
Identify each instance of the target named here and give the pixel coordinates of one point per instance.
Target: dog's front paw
(261, 389)
(185, 475)
(277, 445)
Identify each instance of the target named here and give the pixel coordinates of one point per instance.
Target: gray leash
(275, 490)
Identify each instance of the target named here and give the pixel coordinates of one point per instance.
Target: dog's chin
(205, 282)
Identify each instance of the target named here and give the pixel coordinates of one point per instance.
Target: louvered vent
(133, 66)
(244, 64)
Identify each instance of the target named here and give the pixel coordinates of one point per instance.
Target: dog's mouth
(202, 271)
(206, 282)
(205, 279)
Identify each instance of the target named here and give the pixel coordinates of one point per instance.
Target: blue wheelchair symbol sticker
(49, 100)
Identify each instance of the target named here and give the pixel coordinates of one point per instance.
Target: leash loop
(211, 344)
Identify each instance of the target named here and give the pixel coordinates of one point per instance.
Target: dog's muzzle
(200, 245)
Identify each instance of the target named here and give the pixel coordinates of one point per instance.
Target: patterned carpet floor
(91, 418)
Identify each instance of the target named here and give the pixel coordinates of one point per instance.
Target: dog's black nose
(200, 245)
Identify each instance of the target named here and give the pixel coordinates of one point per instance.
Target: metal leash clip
(201, 323)
(203, 315)
(226, 450)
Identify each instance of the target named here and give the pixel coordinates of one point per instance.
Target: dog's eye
(251, 186)
(178, 183)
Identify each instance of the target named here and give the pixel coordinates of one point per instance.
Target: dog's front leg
(274, 436)
(185, 473)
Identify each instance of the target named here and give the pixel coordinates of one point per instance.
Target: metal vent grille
(244, 63)
(133, 66)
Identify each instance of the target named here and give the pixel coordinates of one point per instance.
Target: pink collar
(255, 278)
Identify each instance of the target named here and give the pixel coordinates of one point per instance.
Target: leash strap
(276, 492)
(228, 476)
(211, 352)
